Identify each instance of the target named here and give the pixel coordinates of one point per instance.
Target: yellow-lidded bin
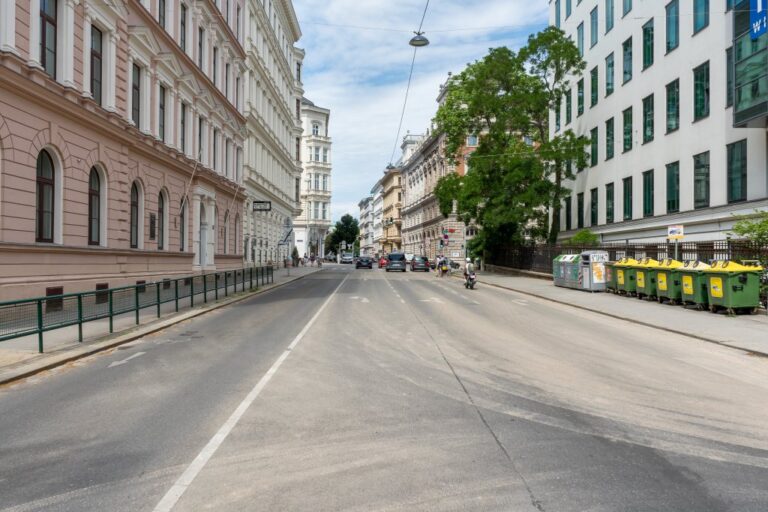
(669, 284)
(625, 276)
(694, 284)
(733, 287)
(646, 278)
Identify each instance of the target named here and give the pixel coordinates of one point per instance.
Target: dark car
(420, 263)
(364, 262)
(396, 261)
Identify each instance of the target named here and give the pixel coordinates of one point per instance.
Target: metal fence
(539, 258)
(38, 315)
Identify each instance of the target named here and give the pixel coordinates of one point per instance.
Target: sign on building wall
(758, 17)
(262, 206)
(675, 232)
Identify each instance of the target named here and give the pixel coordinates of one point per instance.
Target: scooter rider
(469, 269)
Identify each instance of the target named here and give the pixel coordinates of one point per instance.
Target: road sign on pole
(675, 232)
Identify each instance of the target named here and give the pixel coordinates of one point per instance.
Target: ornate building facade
(121, 142)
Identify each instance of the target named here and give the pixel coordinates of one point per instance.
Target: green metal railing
(28, 317)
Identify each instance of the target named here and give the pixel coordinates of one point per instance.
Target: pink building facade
(121, 137)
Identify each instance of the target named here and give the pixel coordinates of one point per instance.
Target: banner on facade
(262, 206)
(758, 17)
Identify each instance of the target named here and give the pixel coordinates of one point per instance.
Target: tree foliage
(754, 228)
(517, 171)
(584, 238)
(346, 230)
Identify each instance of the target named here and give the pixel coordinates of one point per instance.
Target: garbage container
(733, 287)
(694, 284)
(625, 276)
(646, 278)
(610, 276)
(593, 270)
(558, 271)
(669, 286)
(571, 268)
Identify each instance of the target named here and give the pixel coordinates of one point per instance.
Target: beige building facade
(121, 142)
(392, 202)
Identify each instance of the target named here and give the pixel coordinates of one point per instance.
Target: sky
(357, 64)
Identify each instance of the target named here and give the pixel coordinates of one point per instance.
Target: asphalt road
(366, 391)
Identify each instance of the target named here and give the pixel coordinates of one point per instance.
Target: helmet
(469, 260)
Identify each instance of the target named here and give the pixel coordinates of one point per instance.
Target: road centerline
(177, 490)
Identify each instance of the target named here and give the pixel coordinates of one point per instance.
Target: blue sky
(357, 65)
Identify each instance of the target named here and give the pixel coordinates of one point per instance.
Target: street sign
(758, 18)
(262, 206)
(675, 232)
(343, 245)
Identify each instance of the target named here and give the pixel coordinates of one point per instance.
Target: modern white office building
(656, 100)
(273, 92)
(377, 206)
(366, 226)
(312, 225)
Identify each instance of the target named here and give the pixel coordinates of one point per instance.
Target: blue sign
(758, 17)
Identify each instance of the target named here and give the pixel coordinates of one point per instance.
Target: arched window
(94, 208)
(183, 225)
(134, 216)
(161, 221)
(45, 198)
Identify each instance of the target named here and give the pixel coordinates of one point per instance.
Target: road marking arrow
(119, 363)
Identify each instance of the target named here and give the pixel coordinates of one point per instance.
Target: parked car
(364, 262)
(396, 261)
(382, 262)
(420, 263)
(347, 258)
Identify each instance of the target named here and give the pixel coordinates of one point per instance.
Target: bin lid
(670, 263)
(732, 266)
(648, 263)
(694, 265)
(626, 262)
(569, 257)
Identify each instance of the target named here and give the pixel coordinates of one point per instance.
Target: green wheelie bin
(558, 272)
(668, 282)
(610, 277)
(646, 278)
(694, 284)
(733, 287)
(625, 276)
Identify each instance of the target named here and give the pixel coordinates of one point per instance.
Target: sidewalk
(747, 332)
(19, 357)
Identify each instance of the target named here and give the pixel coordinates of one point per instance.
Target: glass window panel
(648, 44)
(609, 74)
(701, 180)
(673, 106)
(673, 25)
(673, 187)
(737, 171)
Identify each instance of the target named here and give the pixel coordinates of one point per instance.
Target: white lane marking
(365, 301)
(401, 300)
(185, 480)
(120, 363)
(433, 299)
(520, 302)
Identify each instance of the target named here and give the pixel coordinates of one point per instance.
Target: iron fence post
(80, 318)
(136, 302)
(226, 284)
(216, 285)
(205, 288)
(176, 287)
(111, 312)
(157, 293)
(192, 291)
(250, 271)
(40, 325)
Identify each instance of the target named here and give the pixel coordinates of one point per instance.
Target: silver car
(396, 261)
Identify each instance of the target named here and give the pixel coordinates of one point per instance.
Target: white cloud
(361, 73)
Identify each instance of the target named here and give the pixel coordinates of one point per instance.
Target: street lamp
(419, 41)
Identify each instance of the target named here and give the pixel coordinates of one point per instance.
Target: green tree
(585, 237)
(753, 227)
(346, 230)
(517, 171)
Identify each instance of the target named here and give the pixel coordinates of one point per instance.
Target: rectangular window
(593, 85)
(609, 203)
(593, 206)
(648, 193)
(557, 13)
(325, 211)
(648, 45)
(161, 12)
(608, 15)
(580, 38)
(609, 73)
(237, 24)
(627, 183)
(701, 180)
(136, 96)
(673, 106)
(568, 214)
(568, 8)
(673, 25)
(648, 119)
(215, 65)
(593, 145)
(627, 7)
(200, 42)
(183, 128)
(325, 155)
(200, 124)
(609, 139)
(737, 171)
(226, 80)
(215, 163)
(568, 106)
(593, 27)
(701, 91)
(627, 53)
(627, 118)
(317, 181)
(161, 113)
(183, 27)
(48, 29)
(96, 63)
(580, 97)
(325, 183)
(317, 154)
(729, 76)
(673, 187)
(580, 210)
(557, 119)
(700, 15)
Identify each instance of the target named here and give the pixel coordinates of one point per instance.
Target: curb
(106, 344)
(631, 320)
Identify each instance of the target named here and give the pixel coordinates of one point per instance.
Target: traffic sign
(675, 232)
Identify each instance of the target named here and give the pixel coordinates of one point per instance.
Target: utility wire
(408, 87)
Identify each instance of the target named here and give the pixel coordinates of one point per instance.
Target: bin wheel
(713, 309)
(754, 311)
(730, 311)
(660, 299)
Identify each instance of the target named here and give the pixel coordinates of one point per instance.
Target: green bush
(584, 238)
